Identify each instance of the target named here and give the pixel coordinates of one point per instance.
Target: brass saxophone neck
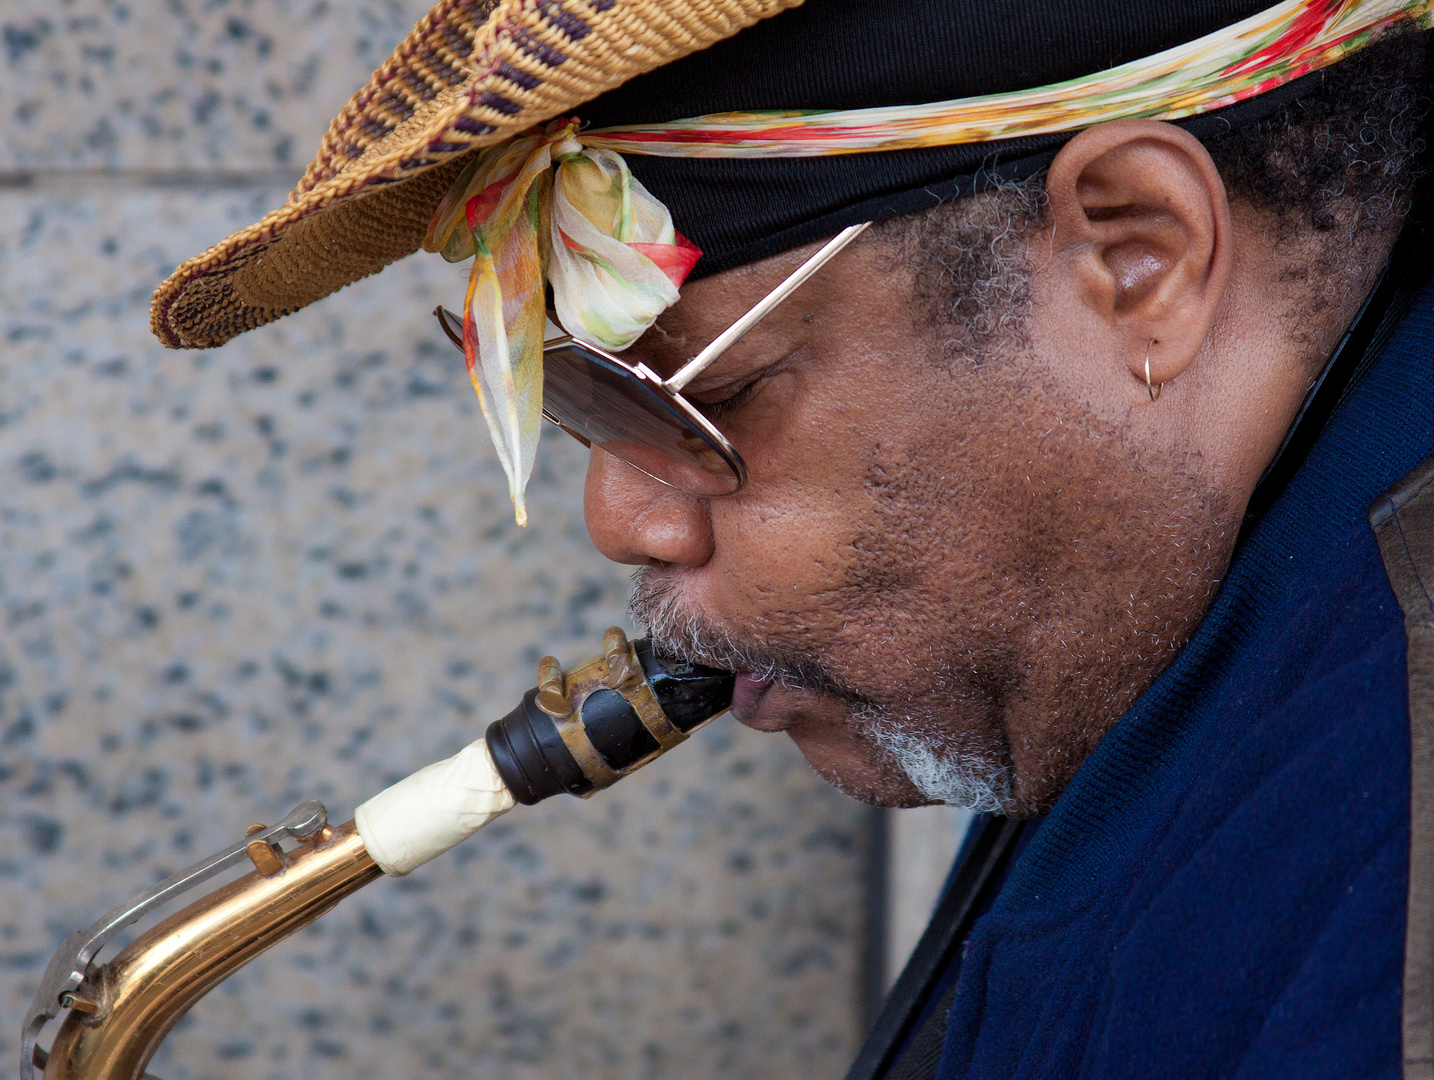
(141, 994)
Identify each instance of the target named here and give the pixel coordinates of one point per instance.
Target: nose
(635, 519)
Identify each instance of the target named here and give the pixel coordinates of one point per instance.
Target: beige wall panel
(183, 84)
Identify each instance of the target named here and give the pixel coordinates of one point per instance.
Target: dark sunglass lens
(611, 408)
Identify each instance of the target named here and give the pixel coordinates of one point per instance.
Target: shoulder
(1244, 912)
(1281, 911)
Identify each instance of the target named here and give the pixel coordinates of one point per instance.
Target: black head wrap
(854, 54)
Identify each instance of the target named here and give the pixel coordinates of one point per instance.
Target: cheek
(1080, 359)
(817, 512)
(788, 537)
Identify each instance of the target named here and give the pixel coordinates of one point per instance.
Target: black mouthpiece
(535, 762)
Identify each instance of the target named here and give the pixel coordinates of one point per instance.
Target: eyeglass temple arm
(734, 333)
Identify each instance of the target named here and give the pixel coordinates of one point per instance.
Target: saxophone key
(264, 855)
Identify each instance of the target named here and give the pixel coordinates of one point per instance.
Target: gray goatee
(970, 780)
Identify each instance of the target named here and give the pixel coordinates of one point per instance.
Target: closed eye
(718, 401)
(715, 410)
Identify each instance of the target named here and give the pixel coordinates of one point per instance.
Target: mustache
(959, 769)
(679, 633)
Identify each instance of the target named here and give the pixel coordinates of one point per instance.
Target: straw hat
(472, 73)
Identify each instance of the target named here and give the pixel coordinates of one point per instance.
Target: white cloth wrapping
(425, 814)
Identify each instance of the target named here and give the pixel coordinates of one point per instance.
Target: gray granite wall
(288, 568)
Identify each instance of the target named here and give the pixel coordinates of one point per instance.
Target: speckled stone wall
(236, 86)
(288, 568)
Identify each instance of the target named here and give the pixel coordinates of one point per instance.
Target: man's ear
(1142, 224)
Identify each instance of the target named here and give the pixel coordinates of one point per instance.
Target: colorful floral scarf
(1240, 61)
(545, 210)
(560, 208)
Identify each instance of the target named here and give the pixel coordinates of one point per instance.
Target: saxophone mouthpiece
(623, 710)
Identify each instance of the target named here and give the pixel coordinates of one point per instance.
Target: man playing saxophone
(1030, 405)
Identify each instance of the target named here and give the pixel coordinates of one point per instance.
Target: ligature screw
(552, 689)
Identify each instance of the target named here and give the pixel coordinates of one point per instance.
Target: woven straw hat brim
(472, 73)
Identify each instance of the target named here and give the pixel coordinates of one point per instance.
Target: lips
(747, 696)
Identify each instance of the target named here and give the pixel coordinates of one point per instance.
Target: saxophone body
(575, 732)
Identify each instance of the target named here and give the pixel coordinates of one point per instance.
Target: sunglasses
(634, 414)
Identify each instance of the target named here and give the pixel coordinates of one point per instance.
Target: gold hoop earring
(1155, 389)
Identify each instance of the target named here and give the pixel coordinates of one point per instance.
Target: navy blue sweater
(1221, 890)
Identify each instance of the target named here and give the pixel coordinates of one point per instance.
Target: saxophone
(575, 732)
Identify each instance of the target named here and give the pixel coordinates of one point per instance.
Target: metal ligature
(575, 732)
